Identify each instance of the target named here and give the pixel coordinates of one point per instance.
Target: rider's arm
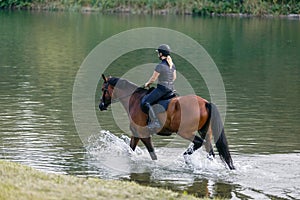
(174, 75)
(152, 79)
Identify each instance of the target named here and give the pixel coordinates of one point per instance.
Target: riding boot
(154, 122)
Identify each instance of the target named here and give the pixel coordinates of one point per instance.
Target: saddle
(167, 96)
(163, 101)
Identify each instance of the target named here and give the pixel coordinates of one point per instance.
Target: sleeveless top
(165, 77)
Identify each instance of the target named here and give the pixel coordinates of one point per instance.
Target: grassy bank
(196, 7)
(22, 182)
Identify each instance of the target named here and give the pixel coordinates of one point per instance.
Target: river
(257, 58)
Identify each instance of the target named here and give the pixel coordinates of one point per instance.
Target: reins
(115, 100)
(119, 98)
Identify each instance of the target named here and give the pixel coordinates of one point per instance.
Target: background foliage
(200, 7)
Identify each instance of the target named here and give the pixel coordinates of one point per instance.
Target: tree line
(196, 7)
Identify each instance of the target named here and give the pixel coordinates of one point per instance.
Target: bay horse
(184, 116)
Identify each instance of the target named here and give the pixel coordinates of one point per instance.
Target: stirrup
(154, 127)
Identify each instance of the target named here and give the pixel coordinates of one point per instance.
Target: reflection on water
(257, 58)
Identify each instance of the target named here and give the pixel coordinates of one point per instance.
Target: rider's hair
(169, 60)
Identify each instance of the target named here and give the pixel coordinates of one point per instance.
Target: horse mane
(141, 90)
(113, 81)
(123, 83)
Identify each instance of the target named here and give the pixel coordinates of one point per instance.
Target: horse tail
(219, 135)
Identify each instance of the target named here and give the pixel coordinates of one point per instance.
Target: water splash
(113, 155)
(109, 144)
(113, 158)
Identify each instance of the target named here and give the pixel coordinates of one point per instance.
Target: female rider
(165, 72)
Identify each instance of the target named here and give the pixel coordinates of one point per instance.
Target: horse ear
(104, 78)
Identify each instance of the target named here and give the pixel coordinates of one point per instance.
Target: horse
(185, 115)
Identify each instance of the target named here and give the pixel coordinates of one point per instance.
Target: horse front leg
(148, 143)
(142, 134)
(133, 142)
(134, 138)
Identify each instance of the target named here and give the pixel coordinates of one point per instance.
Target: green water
(41, 52)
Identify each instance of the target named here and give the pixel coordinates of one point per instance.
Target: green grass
(19, 182)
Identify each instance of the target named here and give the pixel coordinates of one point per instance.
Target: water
(257, 176)
(259, 63)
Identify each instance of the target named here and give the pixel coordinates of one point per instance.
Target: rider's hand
(147, 85)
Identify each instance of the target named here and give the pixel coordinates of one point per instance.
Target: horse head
(107, 92)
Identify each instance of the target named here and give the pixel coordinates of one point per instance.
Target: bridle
(105, 90)
(115, 100)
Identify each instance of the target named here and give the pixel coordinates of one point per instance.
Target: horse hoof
(187, 159)
(189, 151)
(210, 157)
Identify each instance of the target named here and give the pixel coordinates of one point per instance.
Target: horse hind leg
(197, 143)
(206, 133)
(210, 151)
(208, 146)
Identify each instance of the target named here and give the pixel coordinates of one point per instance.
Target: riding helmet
(164, 49)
